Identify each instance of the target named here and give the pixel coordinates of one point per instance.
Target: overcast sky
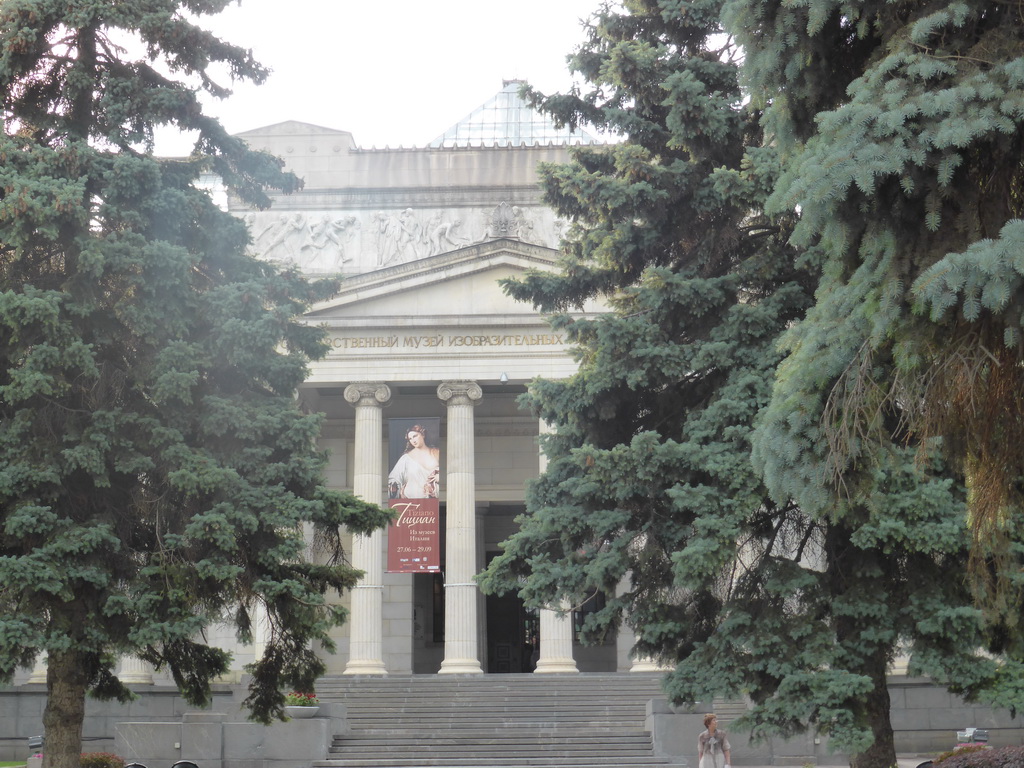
(391, 72)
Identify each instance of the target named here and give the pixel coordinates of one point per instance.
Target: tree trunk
(881, 754)
(66, 680)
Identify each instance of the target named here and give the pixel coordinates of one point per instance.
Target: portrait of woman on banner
(417, 473)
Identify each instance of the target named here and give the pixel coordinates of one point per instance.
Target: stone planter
(301, 713)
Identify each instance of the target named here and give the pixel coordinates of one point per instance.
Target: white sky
(391, 72)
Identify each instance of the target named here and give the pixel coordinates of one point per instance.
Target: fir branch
(951, 57)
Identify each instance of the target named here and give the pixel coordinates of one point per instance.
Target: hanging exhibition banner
(414, 483)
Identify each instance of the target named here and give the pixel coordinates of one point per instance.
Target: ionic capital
(368, 393)
(460, 392)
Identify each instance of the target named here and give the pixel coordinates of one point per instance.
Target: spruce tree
(156, 474)
(650, 495)
(901, 128)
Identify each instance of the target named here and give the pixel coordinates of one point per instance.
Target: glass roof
(506, 120)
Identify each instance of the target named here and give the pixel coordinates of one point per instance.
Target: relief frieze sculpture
(363, 241)
(315, 244)
(407, 236)
(512, 222)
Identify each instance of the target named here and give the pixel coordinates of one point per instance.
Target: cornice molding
(402, 197)
(485, 426)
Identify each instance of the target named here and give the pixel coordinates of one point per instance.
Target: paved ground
(903, 761)
(910, 762)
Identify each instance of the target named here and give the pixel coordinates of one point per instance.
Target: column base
(365, 668)
(136, 679)
(460, 667)
(555, 667)
(646, 665)
(135, 671)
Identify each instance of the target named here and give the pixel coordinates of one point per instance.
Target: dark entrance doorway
(513, 634)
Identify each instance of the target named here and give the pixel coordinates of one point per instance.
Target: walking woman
(713, 745)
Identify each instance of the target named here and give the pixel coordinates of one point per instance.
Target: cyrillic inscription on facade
(447, 341)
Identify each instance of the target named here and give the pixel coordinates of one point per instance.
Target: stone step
(512, 702)
(349, 750)
(389, 730)
(449, 709)
(465, 698)
(506, 721)
(500, 714)
(428, 761)
(535, 726)
(474, 720)
(638, 739)
(634, 742)
(473, 758)
(458, 700)
(487, 695)
(530, 684)
(539, 683)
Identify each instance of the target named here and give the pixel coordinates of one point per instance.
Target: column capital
(460, 392)
(363, 393)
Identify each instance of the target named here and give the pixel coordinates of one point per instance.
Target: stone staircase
(491, 721)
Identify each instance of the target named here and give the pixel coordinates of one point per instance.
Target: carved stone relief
(444, 233)
(399, 237)
(318, 243)
(326, 249)
(510, 221)
(362, 241)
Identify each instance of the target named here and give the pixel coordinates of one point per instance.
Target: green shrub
(950, 753)
(983, 757)
(101, 760)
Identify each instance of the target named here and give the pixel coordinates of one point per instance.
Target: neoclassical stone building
(422, 336)
(421, 332)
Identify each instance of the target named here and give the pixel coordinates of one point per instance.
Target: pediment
(457, 287)
(291, 128)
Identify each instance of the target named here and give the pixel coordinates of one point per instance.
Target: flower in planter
(296, 699)
(101, 760)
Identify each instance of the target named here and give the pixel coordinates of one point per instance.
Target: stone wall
(160, 728)
(924, 717)
(219, 740)
(21, 715)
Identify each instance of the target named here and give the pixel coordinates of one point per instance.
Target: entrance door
(513, 634)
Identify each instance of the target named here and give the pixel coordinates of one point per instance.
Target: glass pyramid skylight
(506, 120)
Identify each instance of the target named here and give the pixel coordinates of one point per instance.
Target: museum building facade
(422, 336)
(419, 394)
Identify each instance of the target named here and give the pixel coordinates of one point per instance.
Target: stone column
(555, 643)
(647, 664)
(135, 671)
(366, 621)
(38, 670)
(641, 663)
(461, 648)
(555, 630)
(260, 631)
